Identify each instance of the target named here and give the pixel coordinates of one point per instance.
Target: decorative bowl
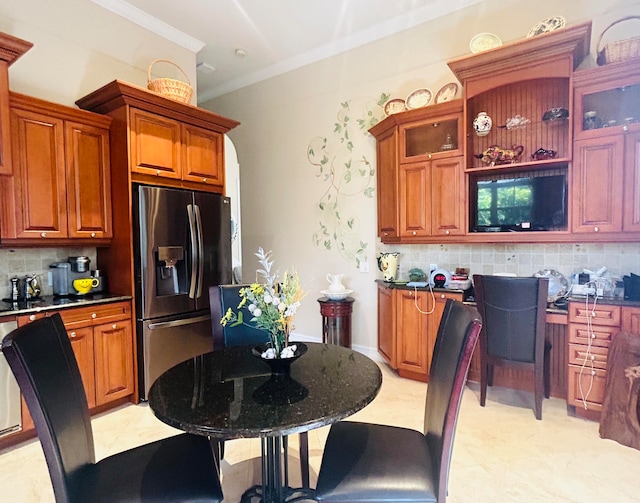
(279, 366)
(336, 295)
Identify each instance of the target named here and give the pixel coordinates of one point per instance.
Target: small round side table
(336, 320)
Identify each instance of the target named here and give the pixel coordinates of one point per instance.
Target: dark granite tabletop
(230, 393)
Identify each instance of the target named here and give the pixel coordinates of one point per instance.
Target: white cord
(587, 356)
(433, 299)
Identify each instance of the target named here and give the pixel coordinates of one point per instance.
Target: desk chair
(513, 312)
(221, 298)
(179, 468)
(365, 462)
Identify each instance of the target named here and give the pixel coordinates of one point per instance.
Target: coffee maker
(74, 277)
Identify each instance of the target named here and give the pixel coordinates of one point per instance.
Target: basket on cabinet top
(618, 50)
(170, 88)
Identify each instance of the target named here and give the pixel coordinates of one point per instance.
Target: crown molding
(151, 23)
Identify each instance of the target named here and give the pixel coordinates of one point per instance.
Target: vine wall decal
(348, 175)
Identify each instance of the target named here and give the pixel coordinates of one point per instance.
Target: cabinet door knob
(414, 233)
(72, 334)
(204, 180)
(32, 317)
(625, 128)
(43, 234)
(94, 316)
(385, 234)
(596, 229)
(158, 172)
(442, 295)
(446, 232)
(429, 156)
(114, 326)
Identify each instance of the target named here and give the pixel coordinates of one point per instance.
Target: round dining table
(231, 393)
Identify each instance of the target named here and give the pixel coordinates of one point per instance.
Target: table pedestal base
(273, 490)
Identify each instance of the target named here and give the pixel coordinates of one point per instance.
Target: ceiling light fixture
(241, 53)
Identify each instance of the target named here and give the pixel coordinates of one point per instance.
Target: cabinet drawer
(597, 355)
(96, 314)
(601, 336)
(581, 383)
(600, 315)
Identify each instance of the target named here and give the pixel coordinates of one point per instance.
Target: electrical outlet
(364, 266)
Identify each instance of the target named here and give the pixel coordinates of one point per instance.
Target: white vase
(482, 124)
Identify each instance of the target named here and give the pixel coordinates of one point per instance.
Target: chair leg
(304, 458)
(483, 383)
(547, 373)
(539, 389)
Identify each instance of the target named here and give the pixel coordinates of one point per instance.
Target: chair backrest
(43, 362)
(513, 311)
(457, 336)
(221, 298)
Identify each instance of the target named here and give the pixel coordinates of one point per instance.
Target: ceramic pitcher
(388, 264)
(335, 283)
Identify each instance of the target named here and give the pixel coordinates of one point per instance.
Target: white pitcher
(335, 283)
(388, 264)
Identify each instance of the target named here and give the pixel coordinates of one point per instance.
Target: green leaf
(368, 192)
(350, 223)
(239, 318)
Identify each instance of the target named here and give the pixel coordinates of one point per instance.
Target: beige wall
(280, 189)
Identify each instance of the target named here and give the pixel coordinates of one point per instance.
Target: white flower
(282, 306)
(276, 301)
(288, 352)
(267, 298)
(269, 354)
(252, 308)
(257, 312)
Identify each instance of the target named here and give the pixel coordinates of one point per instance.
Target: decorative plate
(558, 284)
(547, 25)
(418, 99)
(484, 42)
(394, 106)
(447, 92)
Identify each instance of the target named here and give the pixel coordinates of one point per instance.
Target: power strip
(587, 290)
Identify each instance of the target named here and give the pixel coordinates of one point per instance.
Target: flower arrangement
(273, 306)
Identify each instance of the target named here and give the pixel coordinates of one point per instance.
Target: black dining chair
(513, 312)
(221, 298)
(181, 468)
(365, 462)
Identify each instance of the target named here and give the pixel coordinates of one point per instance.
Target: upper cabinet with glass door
(431, 138)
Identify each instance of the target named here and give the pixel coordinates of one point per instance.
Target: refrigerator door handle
(178, 323)
(195, 258)
(200, 251)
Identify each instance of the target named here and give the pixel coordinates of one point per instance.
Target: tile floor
(501, 453)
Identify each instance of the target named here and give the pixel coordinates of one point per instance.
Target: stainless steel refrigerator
(182, 242)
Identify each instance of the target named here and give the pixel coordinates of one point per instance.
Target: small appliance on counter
(74, 277)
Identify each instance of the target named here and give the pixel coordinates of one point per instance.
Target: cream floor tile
(501, 453)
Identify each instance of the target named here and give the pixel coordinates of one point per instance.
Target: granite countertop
(50, 302)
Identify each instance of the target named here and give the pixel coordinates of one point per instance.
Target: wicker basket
(619, 50)
(170, 88)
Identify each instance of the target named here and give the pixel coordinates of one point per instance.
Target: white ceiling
(277, 35)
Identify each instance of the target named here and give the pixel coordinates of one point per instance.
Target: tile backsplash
(18, 262)
(520, 259)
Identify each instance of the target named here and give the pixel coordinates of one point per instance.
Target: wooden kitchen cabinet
(155, 145)
(431, 198)
(406, 333)
(591, 328)
(60, 190)
(387, 324)
(101, 337)
(420, 174)
(11, 48)
(606, 167)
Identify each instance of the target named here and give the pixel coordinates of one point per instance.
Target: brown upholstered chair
(365, 462)
(513, 312)
(221, 298)
(179, 468)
